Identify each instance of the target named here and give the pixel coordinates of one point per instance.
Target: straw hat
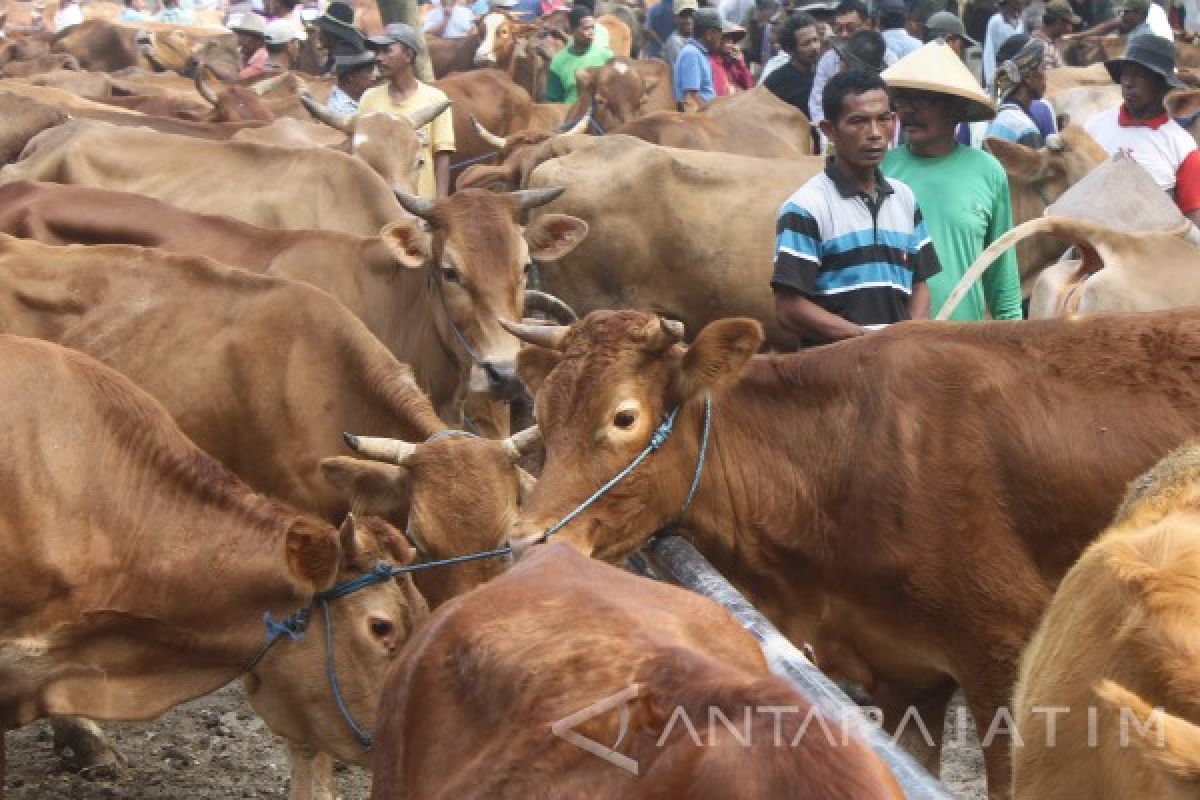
(937, 68)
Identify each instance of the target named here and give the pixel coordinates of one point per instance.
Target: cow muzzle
(488, 60)
(498, 380)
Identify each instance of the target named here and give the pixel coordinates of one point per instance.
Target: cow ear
(1183, 103)
(534, 364)
(312, 553)
(1019, 161)
(718, 355)
(552, 236)
(409, 242)
(370, 487)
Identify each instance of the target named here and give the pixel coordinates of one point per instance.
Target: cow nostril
(503, 383)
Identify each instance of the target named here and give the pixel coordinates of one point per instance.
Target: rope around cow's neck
(295, 625)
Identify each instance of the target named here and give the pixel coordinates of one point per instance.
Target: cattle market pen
(672, 558)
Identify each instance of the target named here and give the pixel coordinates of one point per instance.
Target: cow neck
(187, 580)
(768, 474)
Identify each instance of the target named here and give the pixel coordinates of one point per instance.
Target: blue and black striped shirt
(853, 255)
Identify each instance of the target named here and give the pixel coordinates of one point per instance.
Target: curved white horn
(417, 206)
(548, 336)
(581, 126)
(393, 451)
(498, 142)
(271, 84)
(522, 443)
(202, 88)
(325, 114)
(532, 198)
(549, 305)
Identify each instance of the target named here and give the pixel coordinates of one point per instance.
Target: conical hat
(937, 68)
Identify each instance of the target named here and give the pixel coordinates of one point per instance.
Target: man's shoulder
(1103, 120)
(812, 195)
(374, 99)
(428, 94)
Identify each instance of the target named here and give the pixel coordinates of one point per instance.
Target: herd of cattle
(237, 348)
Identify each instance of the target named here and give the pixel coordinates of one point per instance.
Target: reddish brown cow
(906, 501)
(561, 632)
(621, 91)
(518, 154)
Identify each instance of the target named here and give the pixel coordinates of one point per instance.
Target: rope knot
(663, 431)
(292, 626)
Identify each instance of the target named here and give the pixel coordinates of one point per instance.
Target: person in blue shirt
(693, 77)
(660, 22)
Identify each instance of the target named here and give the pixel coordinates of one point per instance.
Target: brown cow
(390, 281)
(906, 501)
(294, 188)
(621, 91)
(518, 154)
(160, 596)
(1118, 640)
(263, 373)
(753, 123)
(488, 684)
(523, 51)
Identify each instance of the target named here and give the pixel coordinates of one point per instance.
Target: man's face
(685, 23)
(1142, 91)
(711, 37)
(927, 118)
(863, 130)
(808, 46)
(248, 43)
(394, 60)
(585, 33)
(359, 81)
(846, 25)
(1130, 18)
(1036, 81)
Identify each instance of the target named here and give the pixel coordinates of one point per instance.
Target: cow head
(234, 104)
(289, 688)
(616, 93)
(479, 258)
(392, 146)
(602, 387)
(500, 35)
(519, 154)
(458, 494)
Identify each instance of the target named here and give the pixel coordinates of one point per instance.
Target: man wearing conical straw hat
(962, 191)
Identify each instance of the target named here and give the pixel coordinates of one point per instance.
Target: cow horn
(532, 198)
(324, 114)
(270, 84)
(581, 126)
(417, 206)
(1055, 143)
(394, 451)
(423, 116)
(498, 142)
(549, 336)
(673, 328)
(202, 88)
(549, 305)
(522, 443)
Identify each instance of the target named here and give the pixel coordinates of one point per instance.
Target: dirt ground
(215, 748)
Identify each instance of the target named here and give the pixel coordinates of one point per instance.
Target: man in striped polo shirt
(851, 251)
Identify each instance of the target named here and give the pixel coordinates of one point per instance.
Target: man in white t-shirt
(1141, 126)
(449, 20)
(1134, 17)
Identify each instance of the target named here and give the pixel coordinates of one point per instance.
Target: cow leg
(312, 774)
(918, 723)
(92, 752)
(987, 695)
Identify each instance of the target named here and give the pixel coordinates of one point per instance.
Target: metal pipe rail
(677, 560)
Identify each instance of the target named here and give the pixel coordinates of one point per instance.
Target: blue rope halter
(295, 625)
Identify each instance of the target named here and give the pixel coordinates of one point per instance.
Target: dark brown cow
(487, 684)
(906, 501)
(137, 569)
(621, 91)
(390, 281)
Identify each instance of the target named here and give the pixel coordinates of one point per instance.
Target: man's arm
(1002, 280)
(918, 303)
(801, 316)
(689, 75)
(441, 173)
(1187, 187)
(1103, 29)
(826, 68)
(692, 100)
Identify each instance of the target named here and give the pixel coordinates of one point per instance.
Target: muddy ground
(215, 748)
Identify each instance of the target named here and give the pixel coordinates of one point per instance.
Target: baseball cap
(247, 22)
(708, 18)
(1059, 10)
(282, 31)
(397, 33)
(944, 24)
(679, 6)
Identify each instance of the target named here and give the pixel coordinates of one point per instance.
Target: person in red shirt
(730, 73)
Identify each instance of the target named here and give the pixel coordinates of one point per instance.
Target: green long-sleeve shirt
(964, 199)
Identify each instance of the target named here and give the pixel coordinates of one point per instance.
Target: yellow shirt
(437, 136)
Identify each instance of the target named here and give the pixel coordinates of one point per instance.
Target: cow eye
(625, 419)
(382, 628)
(450, 275)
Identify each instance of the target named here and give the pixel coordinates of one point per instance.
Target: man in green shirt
(581, 53)
(962, 191)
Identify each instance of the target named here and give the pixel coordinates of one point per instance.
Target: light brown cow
(839, 491)
(137, 569)
(293, 188)
(391, 281)
(1115, 659)
(523, 51)
(622, 90)
(660, 234)
(1036, 178)
(263, 373)
(486, 685)
(753, 123)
